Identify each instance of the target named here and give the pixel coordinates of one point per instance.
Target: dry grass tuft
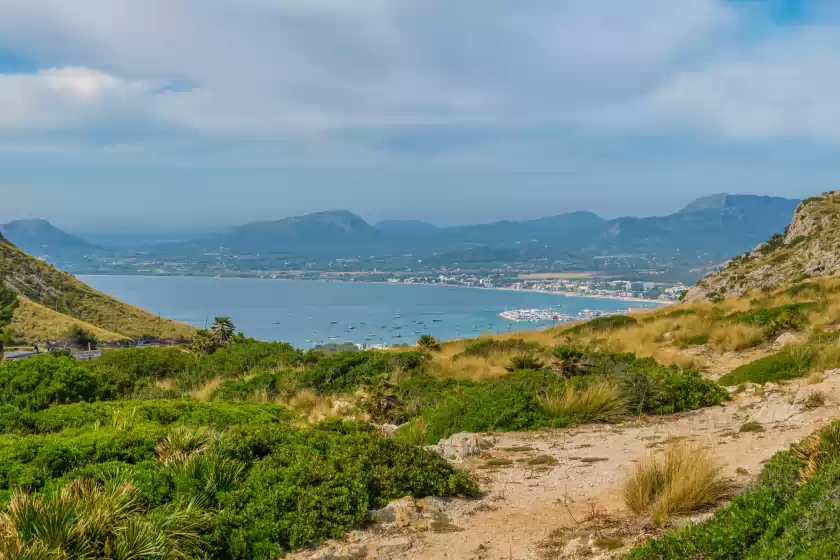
(314, 407)
(600, 402)
(828, 357)
(734, 337)
(207, 392)
(413, 433)
(685, 479)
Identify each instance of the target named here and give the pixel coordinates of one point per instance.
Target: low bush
(345, 371)
(486, 347)
(262, 485)
(38, 382)
(656, 389)
(789, 363)
(602, 324)
(774, 320)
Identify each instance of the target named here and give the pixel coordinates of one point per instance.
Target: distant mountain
(406, 226)
(41, 238)
(806, 249)
(716, 227)
(319, 232)
(551, 230)
(707, 230)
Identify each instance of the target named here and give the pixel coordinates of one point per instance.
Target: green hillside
(42, 284)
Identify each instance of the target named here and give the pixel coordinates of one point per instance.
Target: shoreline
(499, 289)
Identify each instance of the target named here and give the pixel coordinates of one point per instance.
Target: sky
(182, 114)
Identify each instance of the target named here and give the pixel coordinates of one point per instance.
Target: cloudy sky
(195, 113)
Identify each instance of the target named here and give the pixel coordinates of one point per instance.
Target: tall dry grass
(684, 479)
(599, 402)
(207, 392)
(314, 407)
(828, 357)
(731, 337)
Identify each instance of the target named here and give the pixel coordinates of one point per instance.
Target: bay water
(306, 313)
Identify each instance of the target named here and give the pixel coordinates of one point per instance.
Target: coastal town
(554, 283)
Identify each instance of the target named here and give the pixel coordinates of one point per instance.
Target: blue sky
(196, 113)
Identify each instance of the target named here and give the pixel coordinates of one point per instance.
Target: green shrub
(789, 363)
(486, 347)
(602, 324)
(38, 382)
(656, 389)
(505, 404)
(774, 320)
(265, 486)
(345, 371)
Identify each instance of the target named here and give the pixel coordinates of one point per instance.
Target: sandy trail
(522, 504)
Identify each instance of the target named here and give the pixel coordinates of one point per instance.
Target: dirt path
(524, 505)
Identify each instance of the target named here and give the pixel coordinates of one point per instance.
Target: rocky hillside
(67, 299)
(808, 248)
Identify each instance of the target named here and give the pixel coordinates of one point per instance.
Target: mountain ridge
(808, 248)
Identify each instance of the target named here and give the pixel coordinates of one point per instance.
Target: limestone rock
(788, 338)
(426, 515)
(461, 445)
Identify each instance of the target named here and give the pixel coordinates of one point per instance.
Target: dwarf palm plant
(89, 520)
(525, 361)
(428, 342)
(570, 362)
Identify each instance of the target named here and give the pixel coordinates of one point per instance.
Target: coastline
(499, 289)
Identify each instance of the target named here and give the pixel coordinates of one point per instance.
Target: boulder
(461, 445)
(788, 338)
(418, 515)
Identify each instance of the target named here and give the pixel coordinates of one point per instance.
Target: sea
(307, 313)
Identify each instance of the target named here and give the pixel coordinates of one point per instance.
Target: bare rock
(788, 338)
(461, 445)
(426, 515)
(575, 548)
(388, 548)
(356, 551)
(387, 429)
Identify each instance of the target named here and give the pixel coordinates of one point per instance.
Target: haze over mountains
(707, 230)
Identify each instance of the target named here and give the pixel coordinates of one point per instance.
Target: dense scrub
(263, 485)
(219, 439)
(792, 511)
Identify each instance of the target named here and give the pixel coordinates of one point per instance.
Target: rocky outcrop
(810, 247)
(460, 446)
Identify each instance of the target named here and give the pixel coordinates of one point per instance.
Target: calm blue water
(306, 312)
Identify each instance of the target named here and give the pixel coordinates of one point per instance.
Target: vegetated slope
(33, 323)
(808, 248)
(38, 281)
(39, 237)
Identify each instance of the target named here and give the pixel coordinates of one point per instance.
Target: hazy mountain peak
(38, 236)
(406, 226)
(706, 202)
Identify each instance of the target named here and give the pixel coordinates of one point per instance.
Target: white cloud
(71, 97)
(783, 88)
(293, 76)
